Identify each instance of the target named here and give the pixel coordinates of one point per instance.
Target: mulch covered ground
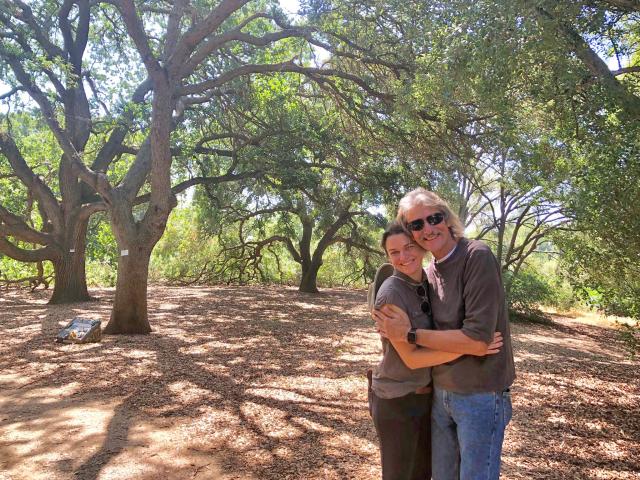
(268, 383)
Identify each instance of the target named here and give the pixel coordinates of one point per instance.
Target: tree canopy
(301, 133)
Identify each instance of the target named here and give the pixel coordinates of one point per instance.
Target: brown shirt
(466, 293)
(392, 378)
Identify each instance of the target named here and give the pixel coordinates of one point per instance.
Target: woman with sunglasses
(471, 401)
(400, 398)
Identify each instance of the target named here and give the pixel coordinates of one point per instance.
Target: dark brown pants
(404, 431)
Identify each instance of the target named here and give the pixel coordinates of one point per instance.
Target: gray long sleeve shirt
(392, 378)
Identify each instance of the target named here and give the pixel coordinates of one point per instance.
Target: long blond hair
(426, 198)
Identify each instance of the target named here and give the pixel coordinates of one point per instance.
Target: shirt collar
(448, 255)
(408, 279)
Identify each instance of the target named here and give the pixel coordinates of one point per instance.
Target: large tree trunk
(69, 270)
(129, 314)
(136, 239)
(70, 280)
(308, 283)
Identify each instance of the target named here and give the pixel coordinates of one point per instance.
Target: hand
(494, 346)
(392, 322)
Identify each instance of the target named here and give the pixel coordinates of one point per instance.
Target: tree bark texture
(308, 283)
(129, 313)
(70, 284)
(70, 280)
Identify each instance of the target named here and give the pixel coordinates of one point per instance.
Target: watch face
(411, 336)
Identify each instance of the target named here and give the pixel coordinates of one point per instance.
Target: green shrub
(101, 274)
(563, 297)
(12, 270)
(526, 292)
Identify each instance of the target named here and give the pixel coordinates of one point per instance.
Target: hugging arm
(393, 323)
(414, 357)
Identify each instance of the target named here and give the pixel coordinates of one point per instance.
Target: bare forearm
(454, 341)
(414, 357)
(393, 323)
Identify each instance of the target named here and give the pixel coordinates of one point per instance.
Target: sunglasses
(425, 306)
(432, 220)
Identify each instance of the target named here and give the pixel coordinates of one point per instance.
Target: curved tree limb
(9, 249)
(34, 183)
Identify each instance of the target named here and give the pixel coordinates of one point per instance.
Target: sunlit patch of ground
(268, 383)
(588, 317)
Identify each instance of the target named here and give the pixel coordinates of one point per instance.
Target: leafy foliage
(527, 292)
(505, 108)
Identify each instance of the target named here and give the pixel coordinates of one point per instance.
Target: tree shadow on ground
(268, 383)
(575, 400)
(255, 380)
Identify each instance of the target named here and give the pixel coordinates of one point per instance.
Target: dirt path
(267, 383)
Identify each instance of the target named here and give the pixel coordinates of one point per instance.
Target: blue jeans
(467, 431)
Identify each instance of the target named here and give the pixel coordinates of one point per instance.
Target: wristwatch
(412, 337)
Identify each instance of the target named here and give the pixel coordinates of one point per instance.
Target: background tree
(310, 196)
(526, 122)
(593, 31)
(602, 257)
(199, 51)
(41, 55)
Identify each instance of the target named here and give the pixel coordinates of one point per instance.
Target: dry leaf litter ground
(267, 383)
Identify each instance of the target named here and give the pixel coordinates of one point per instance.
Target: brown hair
(395, 228)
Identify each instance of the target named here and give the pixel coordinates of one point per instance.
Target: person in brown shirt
(400, 397)
(472, 402)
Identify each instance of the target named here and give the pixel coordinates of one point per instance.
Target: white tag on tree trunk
(73, 250)
(124, 253)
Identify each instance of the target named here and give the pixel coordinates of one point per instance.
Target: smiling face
(436, 239)
(405, 255)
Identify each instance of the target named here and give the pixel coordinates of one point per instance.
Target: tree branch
(99, 182)
(197, 33)
(214, 43)
(625, 5)
(11, 92)
(314, 73)
(10, 250)
(136, 31)
(359, 245)
(598, 67)
(626, 70)
(113, 146)
(13, 225)
(34, 183)
(182, 186)
(173, 27)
